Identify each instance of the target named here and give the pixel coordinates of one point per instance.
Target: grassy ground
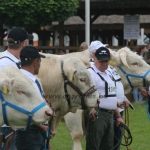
(139, 126)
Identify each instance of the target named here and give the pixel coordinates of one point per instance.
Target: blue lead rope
(45, 143)
(134, 75)
(29, 113)
(144, 84)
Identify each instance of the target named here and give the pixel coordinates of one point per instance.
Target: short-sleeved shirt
(110, 102)
(6, 61)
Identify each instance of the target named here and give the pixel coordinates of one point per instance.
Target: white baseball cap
(96, 45)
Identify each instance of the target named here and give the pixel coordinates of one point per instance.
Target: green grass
(139, 127)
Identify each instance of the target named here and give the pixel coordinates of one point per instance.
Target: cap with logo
(102, 54)
(95, 45)
(29, 53)
(18, 35)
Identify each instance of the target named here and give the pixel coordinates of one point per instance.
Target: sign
(131, 27)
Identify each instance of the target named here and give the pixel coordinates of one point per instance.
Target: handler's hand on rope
(119, 120)
(143, 91)
(42, 128)
(93, 114)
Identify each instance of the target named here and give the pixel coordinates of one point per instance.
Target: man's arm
(119, 117)
(143, 91)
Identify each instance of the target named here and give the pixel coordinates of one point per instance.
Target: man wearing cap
(101, 136)
(17, 39)
(124, 103)
(32, 138)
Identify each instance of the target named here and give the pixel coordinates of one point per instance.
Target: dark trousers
(100, 133)
(117, 134)
(30, 139)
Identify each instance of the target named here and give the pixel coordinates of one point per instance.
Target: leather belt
(106, 110)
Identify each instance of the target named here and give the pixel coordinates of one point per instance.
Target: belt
(106, 110)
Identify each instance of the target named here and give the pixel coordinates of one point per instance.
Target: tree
(35, 13)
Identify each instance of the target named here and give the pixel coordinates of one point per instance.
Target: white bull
(53, 85)
(18, 90)
(131, 63)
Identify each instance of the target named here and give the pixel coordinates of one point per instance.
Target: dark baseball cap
(29, 53)
(18, 35)
(102, 54)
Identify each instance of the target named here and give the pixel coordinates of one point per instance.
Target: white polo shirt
(119, 86)
(6, 61)
(31, 77)
(110, 102)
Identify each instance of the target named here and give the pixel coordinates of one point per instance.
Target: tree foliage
(35, 13)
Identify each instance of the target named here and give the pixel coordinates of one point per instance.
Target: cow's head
(81, 78)
(132, 64)
(17, 89)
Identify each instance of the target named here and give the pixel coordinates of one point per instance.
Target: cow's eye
(21, 92)
(83, 80)
(135, 64)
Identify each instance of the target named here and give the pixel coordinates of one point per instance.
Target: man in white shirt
(32, 138)
(17, 39)
(101, 133)
(119, 87)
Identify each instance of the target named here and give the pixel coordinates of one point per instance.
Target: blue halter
(134, 75)
(29, 113)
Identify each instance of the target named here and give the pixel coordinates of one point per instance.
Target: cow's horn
(123, 58)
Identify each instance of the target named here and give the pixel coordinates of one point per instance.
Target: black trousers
(100, 133)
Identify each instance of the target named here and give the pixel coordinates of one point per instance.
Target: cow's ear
(123, 58)
(70, 72)
(6, 85)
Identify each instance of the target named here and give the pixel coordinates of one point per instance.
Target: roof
(112, 19)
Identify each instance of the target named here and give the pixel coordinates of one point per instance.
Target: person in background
(147, 54)
(83, 46)
(138, 98)
(17, 39)
(61, 52)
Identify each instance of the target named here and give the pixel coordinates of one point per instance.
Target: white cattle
(53, 85)
(129, 61)
(17, 89)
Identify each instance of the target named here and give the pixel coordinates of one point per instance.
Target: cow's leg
(74, 125)
(56, 121)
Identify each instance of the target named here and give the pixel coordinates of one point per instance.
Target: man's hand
(42, 128)
(93, 114)
(143, 91)
(121, 105)
(126, 103)
(119, 120)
